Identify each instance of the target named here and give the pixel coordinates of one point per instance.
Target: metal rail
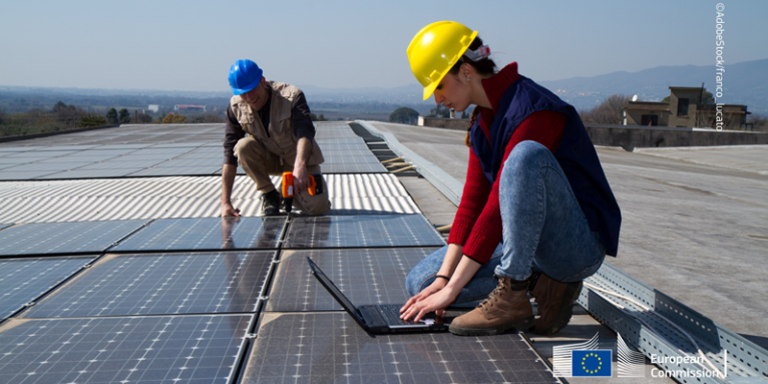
(444, 182)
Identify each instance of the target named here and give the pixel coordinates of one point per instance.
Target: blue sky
(189, 45)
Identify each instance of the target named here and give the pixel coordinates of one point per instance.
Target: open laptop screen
(334, 291)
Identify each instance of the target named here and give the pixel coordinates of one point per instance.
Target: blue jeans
(543, 229)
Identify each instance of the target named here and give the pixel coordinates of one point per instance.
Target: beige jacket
(282, 139)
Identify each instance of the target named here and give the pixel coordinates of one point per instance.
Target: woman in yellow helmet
(537, 213)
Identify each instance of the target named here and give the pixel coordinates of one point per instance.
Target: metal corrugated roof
(178, 197)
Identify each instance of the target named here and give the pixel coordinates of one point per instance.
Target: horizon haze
(189, 46)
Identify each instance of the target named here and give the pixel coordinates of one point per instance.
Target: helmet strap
(480, 53)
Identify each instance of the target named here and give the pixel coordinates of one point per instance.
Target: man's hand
(228, 210)
(300, 178)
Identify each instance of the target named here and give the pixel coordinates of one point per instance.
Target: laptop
(379, 319)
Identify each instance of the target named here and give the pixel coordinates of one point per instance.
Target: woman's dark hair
(484, 66)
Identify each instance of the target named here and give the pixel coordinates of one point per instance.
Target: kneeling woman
(537, 213)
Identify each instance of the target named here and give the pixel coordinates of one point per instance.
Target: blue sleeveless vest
(576, 154)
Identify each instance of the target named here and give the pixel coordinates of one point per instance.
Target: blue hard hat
(244, 75)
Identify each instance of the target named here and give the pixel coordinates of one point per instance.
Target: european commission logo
(595, 363)
(585, 360)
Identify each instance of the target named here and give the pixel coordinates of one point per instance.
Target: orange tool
(315, 188)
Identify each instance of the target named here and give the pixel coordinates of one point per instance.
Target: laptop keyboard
(392, 314)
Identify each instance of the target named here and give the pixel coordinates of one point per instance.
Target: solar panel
(39, 154)
(349, 155)
(331, 347)
(23, 280)
(67, 147)
(5, 174)
(361, 231)
(162, 284)
(111, 147)
(180, 171)
(366, 276)
(326, 132)
(61, 165)
(121, 162)
(342, 144)
(206, 234)
(353, 168)
(188, 349)
(88, 173)
(75, 237)
(10, 148)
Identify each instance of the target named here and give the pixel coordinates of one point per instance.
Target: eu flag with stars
(595, 363)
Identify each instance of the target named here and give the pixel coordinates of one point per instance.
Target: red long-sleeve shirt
(477, 225)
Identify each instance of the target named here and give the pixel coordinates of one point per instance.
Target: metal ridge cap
(746, 355)
(445, 183)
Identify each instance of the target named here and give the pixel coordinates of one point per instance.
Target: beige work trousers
(259, 163)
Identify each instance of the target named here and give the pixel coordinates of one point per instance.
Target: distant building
(685, 109)
(153, 108)
(185, 107)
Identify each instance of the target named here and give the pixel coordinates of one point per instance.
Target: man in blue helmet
(281, 137)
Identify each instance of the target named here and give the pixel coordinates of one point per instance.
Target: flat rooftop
(694, 220)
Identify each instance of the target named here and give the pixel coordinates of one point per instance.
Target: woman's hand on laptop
(434, 298)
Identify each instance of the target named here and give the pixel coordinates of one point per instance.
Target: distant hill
(744, 83)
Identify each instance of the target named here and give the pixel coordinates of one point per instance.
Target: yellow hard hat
(434, 51)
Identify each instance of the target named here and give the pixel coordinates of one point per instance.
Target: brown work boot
(555, 300)
(505, 308)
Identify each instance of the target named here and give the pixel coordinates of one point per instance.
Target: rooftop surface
(694, 227)
(694, 220)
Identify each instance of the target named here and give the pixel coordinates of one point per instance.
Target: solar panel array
(128, 151)
(134, 317)
(211, 300)
(149, 150)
